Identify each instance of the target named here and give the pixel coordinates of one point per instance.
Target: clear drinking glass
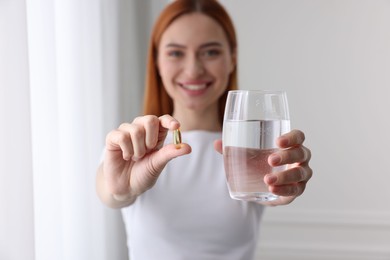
(253, 120)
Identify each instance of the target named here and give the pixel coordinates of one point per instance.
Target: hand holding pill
(135, 156)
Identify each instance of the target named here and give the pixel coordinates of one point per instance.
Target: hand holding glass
(252, 122)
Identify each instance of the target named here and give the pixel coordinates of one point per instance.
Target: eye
(175, 54)
(211, 53)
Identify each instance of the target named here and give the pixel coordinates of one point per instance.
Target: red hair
(156, 100)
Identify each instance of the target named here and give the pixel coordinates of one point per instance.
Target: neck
(207, 120)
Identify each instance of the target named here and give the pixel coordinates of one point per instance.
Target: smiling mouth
(195, 87)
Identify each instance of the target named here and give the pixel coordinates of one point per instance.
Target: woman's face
(194, 62)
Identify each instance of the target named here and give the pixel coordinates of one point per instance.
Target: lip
(195, 88)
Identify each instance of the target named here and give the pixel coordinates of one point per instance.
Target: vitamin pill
(177, 137)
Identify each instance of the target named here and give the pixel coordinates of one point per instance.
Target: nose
(194, 67)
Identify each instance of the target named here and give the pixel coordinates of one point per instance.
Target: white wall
(333, 58)
(127, 26)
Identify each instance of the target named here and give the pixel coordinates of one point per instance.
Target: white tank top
(189, 214)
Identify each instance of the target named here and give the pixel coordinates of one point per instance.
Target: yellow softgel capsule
(177, 138)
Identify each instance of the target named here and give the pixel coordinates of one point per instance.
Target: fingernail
(283, 141)
(271, 179)
(174, 124)
(275, 159)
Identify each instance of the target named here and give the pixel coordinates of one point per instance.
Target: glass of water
(253, 120)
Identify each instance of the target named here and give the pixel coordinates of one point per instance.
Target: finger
(159, 159)
(169, 122)
(218, 145)
(293, 138)
(137, 139)
(154, 164)
(295, 189)
(298, 154)
(119, 140)
(282, 200)
(292, 175)
(151, 125)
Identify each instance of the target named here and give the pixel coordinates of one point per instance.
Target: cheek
(166, 71)
(222, 70)
(161, 66)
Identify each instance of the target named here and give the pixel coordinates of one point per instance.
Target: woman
(182, 209)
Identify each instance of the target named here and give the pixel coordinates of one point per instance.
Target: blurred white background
(72, 70)
(333, 59)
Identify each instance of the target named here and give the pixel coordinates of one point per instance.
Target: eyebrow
(205, 45)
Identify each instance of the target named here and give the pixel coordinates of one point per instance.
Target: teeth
(194, 87)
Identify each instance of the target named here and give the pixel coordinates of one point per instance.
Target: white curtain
(67, 104)
(16, 207)
(69, 72)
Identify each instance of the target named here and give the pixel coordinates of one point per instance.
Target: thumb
(168, 152)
